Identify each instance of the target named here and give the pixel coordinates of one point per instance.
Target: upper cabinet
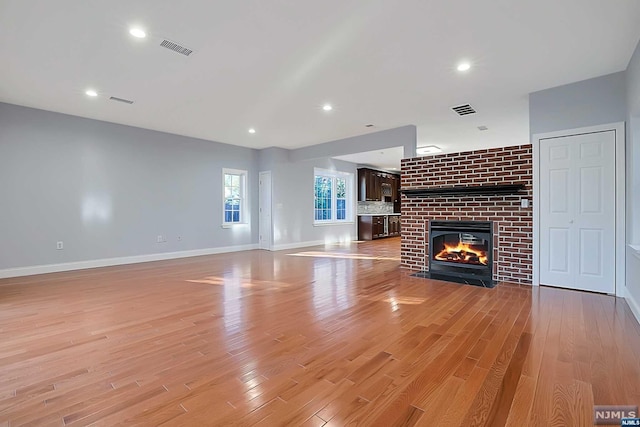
(366, 186)
(375, 185)
(396, 193)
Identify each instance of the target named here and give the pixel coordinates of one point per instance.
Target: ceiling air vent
(481, 128)
(176, 47)
(126, 101)
(464, 110)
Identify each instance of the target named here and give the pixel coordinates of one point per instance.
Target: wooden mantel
(463, 190)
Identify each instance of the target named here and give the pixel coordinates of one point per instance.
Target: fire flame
(462, 253)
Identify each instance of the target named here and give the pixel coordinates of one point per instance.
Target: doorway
(265, 228)
(579, 209)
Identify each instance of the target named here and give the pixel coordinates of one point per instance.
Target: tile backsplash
(375, 208)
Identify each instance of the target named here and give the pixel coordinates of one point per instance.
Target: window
(333, 197)
(324, 187)
(341, 198)
(234, 196)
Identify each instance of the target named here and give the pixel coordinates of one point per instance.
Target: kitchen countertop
(377, 214)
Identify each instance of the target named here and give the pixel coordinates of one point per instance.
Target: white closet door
(577, 211)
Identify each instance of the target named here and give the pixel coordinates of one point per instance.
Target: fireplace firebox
(462, 252)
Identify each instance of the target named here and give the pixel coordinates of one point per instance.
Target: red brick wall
(513, 225)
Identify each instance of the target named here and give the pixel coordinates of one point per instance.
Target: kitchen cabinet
(368, 185)
(379, 229)
(365, 227)
(374, 192)
(375, 185)
(395, 186)
(394, 225)
(372, 227)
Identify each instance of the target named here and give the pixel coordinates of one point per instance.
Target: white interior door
(264, 200)
(578, 211)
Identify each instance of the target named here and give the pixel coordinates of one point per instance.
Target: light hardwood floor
(323, 336)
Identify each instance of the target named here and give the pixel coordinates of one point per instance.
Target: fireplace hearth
(461, 252)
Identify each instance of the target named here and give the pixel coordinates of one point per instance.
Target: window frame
(349, 198)
(242, 217)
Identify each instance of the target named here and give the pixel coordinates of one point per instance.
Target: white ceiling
(387, 159)
(272, 64)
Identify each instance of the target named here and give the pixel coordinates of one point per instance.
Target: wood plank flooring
(314, 337)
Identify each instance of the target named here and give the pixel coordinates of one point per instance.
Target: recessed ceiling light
(91, 92)
(327, 107)
(428, 149)
(137, 32)
(464, 66)
(252, 130)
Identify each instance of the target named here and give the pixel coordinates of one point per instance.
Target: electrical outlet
(60, 245)
(159, 239)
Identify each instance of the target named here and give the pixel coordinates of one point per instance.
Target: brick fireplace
(512, 224)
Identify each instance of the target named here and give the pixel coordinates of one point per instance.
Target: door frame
(620, 196)
(268, 205)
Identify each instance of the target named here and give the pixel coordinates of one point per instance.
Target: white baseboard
(633, 304)
(298, 245)
(106, 262)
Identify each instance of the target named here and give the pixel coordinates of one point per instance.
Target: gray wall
(270, 157)
(292, 178)
(633, 173)
(108, 190)
(606, 99)
(293, 204)
(633, 144)
(587, 103)
(405, 136)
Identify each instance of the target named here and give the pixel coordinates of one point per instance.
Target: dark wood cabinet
(378, 227)
(373, 191)
(368, 228)
(378, 186)
(368, 185)
(372, 227)
(394, 225)
(371, 183)
(395, 195)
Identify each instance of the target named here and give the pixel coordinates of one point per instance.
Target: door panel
(559, 191)
(591, 190)
(590, 149)
(559, 250)
(558, 152)
(577, 211)
(591, 255)
(556, 183)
